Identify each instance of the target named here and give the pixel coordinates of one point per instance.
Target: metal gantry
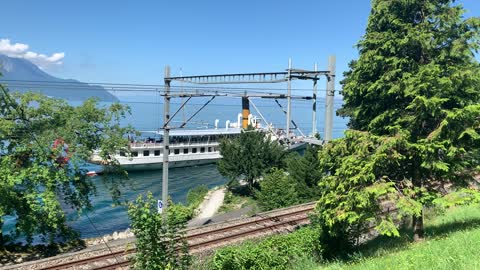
(249, 78)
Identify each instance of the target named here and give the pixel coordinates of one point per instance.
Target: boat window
(122, 153)
(209, 149)
(156, 152)
(176, 151)
(135, 154)
(194, 150)
(146, 153)
(202, 149)
(185, 150)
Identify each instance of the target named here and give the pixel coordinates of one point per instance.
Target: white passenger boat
(187, 148)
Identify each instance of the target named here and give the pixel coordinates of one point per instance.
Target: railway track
(199, 239)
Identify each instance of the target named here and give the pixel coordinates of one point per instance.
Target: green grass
(234, 201)
(196, 195)
(452, 242)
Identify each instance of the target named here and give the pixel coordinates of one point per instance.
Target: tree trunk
(417, 221)
(418, 229)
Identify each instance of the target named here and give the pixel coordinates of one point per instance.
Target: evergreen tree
(304, 172)
(413, 101)
(277, 190)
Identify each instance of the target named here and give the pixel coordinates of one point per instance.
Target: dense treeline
(413, 102)
(275, 177)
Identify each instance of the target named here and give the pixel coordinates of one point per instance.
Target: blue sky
(132, 41)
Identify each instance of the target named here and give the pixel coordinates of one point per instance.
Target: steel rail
(271, 216)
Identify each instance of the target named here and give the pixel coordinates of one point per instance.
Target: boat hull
(172, 164)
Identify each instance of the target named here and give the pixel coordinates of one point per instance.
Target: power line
(139, 87)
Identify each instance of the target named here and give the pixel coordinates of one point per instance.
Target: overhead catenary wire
(157, 89)
(138, 87)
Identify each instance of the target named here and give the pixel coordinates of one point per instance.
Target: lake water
(108, 219)
(147, 114)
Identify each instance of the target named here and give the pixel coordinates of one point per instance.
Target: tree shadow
(18, 253)
(382, 244)
(447, 228)
(241, 190)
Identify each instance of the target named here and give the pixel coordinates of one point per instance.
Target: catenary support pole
(166, 147)
(314, 105)
(289, 97)
(329, 108)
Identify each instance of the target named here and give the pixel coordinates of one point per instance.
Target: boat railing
(157, 145)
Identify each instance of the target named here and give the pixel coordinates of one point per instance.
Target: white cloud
(20, 50)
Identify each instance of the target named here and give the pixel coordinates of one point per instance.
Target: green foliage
(274, 252)
(234, 201)
(181, 214)
(195, 196)
(413, 102)
(160, 243)
(459, 197)
(178, 213)
(452, 243)
(351, 187)
(304, 171)
(298, 185)
(249, 155)
(277, 190)
(37, 173)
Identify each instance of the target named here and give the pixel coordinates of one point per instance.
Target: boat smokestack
(216, 123)
(227, 124)
(245, 111)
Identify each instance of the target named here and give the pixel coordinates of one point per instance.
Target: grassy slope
(453, 242)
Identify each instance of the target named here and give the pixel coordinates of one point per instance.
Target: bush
(277, 190)
(160, 243)
(274, 252)
(178, 213)
(195, 195)
(305, 173)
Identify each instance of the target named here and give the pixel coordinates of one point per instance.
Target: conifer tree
(277, 190)
(413, 102)
(305, 174)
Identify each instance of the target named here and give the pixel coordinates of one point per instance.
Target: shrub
(195, 195)
(277, 190)
(178, 213)
(274, 252)
(157, 240)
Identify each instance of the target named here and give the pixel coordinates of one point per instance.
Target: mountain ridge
(15, 70)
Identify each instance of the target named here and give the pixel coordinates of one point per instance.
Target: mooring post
(314, 105)
(166, 139)
(289, 97)
(329, 101)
